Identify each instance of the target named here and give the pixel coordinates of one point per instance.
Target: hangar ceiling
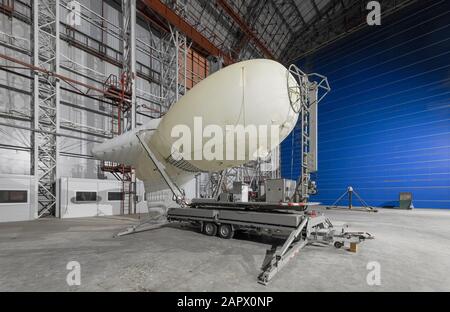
(284, 30)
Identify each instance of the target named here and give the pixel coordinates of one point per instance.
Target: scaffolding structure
(77, 73)
(54, 70)
(7, 6)
(173, 77)
(123, 117)
(46, 54)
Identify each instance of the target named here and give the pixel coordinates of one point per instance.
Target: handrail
(300, 90)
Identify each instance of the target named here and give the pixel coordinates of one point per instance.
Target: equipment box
(279, 190)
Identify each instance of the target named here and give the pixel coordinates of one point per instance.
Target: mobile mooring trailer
(288, 217)
(299, 228)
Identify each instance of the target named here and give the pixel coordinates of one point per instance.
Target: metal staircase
(115, 90)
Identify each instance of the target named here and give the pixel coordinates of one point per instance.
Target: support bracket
(178, 193)
(317, 229)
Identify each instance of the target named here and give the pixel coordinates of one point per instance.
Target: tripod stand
(350, 192)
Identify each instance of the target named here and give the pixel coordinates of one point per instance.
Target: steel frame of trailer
(301, 229)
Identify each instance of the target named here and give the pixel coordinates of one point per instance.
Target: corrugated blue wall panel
(385, 127)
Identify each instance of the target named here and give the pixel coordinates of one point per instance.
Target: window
(115, 196)
(13, 196)
(86, 196)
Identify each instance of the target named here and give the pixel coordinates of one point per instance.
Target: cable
(386, 165)
(384, 96)
(389, 60)
(389, 141)
(381, 32)
(385, 107)
(387, 84)
(387, 130)
(388, 153)
(394, 70)
(393, 47)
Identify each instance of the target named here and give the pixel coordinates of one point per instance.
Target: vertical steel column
(300, 96)
(179, 41)
(128, 79)
(181, 52)
(46, 105)
(129, 59)
(176, 37)
(313, 126)
(174, 56)
(304, 152)
(350, 197)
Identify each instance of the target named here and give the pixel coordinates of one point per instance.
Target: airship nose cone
(253, 93)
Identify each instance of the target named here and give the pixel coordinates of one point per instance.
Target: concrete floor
(412, 247)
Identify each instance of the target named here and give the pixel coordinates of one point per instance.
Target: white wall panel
(71, 208)
(10, 212)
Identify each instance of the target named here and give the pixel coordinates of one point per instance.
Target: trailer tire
(338, 245)
(226, 231)
(210, 229)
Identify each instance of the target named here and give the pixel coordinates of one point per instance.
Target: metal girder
(178, 193)
(337, 19)
(250, 17)
(129, 87)
(297, 11)
(298, 41)
(274, 29)
(280, 14)
(212, 23)
(49, 73)
(178, 22)
(46, 105)
(314, 4)
(129, 58)
(289, 14)
(245, 28)
(173, 54)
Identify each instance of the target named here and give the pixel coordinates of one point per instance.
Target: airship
(251, 95)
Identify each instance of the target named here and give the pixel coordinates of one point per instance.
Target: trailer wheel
(338, 245)
(226, 231)
(210, 229)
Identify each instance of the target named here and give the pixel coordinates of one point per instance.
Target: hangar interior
(75, 74)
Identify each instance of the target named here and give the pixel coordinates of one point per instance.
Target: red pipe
(177, 21)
